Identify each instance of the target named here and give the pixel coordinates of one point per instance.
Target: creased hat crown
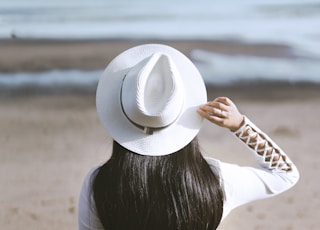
(152, 94)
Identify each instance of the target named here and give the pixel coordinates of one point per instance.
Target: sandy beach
(49, 141)
(35, 55)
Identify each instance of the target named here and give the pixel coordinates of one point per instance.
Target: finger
(213, 111)
(217, 105)
(224, 114)
(224, 100)
(203, 114)
(213, 119)
(218, 109)
(216, 120)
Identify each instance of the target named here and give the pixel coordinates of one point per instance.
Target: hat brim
(162, 141)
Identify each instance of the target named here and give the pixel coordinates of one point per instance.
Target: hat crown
(152, 94)
(151, 85)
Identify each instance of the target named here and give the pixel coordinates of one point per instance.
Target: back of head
(176, 191)
(156, 178)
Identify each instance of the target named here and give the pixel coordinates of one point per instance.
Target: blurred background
(284, 30)
(264, 54)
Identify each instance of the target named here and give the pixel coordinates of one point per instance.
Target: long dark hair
(175, 192)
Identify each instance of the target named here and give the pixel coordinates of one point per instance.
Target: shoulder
(86, 189)
(87, 214)
(212, 161)
(88, 180)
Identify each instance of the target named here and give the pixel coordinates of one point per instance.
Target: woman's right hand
(222, 112)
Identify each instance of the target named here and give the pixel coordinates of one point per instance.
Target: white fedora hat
(147, 99)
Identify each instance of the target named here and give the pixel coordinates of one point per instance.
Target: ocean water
(292, 22)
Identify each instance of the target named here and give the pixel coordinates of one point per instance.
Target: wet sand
(35, 55)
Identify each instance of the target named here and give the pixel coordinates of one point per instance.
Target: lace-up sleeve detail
(269, 155)
(274, 175)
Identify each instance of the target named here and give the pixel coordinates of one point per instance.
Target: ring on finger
(221, 112)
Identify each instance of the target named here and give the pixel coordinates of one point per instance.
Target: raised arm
(275, 172)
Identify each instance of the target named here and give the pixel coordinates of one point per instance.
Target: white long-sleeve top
(241, 184)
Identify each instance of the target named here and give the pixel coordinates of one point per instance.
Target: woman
(151, 100)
